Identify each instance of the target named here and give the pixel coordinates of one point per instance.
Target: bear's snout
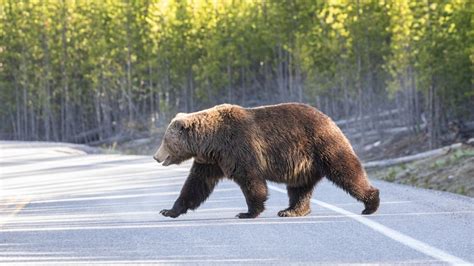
(162, 155)
(156, 158)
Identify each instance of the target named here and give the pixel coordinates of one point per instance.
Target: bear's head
(175, 147)
(199, 135)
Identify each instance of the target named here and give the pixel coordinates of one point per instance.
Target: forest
(88, 70)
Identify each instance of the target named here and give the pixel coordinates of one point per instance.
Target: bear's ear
(181, 124)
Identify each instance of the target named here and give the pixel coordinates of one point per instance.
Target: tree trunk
(129, 68)
(280, 74)
(19, 133)
(191, 89)
(152, 93)
(65, 112)
(229, 84)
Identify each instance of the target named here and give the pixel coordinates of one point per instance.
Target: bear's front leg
(255, 192)
(201, 181)
(179, 208)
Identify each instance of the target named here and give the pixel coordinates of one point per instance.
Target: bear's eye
(180, 128)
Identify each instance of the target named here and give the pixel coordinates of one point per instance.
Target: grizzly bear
(291, 143)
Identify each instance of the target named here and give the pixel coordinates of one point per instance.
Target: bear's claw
(368, 211)
(246, 215)
(169, 213)
(293, 213)
(372, 203)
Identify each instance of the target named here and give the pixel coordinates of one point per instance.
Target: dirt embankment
(452, 171)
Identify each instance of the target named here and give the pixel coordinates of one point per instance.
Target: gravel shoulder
(451, 172)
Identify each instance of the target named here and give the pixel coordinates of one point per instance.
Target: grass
(453, 172)
(391, 175)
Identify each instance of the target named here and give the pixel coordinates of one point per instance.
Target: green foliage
(391, 175)
(69, 67)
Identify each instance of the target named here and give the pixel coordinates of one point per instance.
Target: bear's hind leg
(300, 201)
(255, 192)
(357, 184)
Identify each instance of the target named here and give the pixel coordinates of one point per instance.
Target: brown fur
(294, 144)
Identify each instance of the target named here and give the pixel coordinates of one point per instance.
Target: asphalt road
(59, 205)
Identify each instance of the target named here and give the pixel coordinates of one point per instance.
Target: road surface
(59, 205)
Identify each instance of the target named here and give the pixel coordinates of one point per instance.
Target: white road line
(390, 233)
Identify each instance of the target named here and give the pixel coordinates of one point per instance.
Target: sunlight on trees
(74, 69)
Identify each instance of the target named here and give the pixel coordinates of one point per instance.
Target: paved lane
(59, 205)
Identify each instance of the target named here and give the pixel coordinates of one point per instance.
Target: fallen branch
(117, 138)
(86, 136)
(411, 158)
(380, 132)
(344, 122)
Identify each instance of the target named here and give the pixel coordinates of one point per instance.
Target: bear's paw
(246, 215)
(293, 212)
(170, 213)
